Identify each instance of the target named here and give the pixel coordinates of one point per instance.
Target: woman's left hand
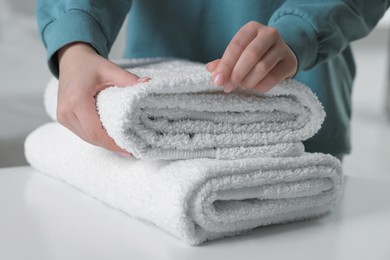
(256, 58)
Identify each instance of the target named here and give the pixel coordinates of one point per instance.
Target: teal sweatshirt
(318, 31)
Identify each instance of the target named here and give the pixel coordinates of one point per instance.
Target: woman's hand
(256, 58)
(83, 74)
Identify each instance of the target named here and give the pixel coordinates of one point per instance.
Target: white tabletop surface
(42, 218)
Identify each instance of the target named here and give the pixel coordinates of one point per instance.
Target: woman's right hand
(83, 74)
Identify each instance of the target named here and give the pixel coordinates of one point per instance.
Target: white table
(42, 218)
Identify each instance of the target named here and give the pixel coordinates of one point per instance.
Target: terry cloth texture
(197, 199)
(179, 114)
(266, 177)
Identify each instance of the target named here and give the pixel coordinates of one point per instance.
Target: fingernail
(143, 79)
(218, 80)
(125, 154)
(228, 87)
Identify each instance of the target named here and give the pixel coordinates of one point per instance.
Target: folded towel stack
(265, 177)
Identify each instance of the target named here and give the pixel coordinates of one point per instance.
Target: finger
(261, 68)
(233, 51)
(255, 51)
(65, 115)
(279, 73)
(93, 130)
(212, 65)
(122, 77)
(71, 122)
(116, 76)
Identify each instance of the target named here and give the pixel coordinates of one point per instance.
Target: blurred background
(24, 74)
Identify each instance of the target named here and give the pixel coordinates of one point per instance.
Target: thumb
(212, 65)
(122, 77)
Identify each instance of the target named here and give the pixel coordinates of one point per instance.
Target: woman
(251, 43)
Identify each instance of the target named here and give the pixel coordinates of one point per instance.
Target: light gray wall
(26, 7)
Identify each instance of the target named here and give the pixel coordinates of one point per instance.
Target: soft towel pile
(197, 199)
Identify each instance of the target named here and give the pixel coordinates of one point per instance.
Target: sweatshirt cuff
(299, 35)
(73, 26)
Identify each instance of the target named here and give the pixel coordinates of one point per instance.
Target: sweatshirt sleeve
(317, 30)
(96, 22)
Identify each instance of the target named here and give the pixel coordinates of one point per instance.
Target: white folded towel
(179, 114)
(195, 200)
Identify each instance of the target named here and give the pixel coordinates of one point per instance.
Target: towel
(196, 199)
(179, 114)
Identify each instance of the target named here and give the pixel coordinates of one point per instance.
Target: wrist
(75, 48)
